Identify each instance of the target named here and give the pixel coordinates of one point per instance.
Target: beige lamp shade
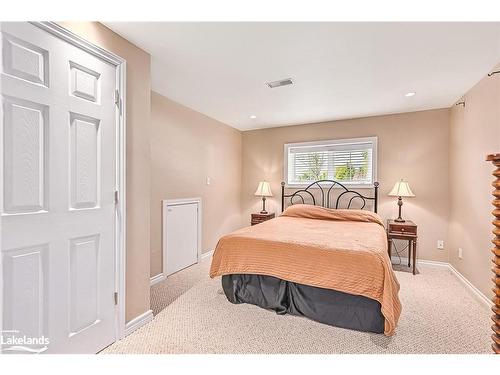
(264, 189)
(401, 189)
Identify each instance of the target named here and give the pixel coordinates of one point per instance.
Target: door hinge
(116, 298)
(116, 196)
(118, 100)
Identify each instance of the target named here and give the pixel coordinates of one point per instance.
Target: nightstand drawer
(409, 229)
(258, 220)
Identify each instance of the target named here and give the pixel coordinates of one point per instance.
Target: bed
(323, 258)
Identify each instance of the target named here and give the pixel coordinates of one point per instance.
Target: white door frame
(174, 202)
(1, 202)
(120, 178)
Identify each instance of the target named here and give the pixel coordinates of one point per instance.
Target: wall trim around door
(120, 211)
(138, 322)
(169, 202)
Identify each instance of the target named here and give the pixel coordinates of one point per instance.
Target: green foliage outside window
(349, 172)
(318, 170)
(314, 172)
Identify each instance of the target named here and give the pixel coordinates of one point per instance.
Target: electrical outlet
(440, 244)
(460, 253)
(208, 180)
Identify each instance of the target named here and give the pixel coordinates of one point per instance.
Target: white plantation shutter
(347, 161)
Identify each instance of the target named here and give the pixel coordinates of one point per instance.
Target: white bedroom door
(58, 214)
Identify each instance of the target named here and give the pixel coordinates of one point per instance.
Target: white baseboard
(207, 254)
(475, 292)
(421, 262)
(156, 279)
(433, 263)
(138, 322)
(161, 276)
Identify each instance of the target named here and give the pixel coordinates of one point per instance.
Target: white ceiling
(340, 70)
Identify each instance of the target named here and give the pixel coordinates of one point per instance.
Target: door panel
(25, 296)
(25, 60)
(85, 150)
(84, 82)
(24, 156)
(58, 216)
(84, 289)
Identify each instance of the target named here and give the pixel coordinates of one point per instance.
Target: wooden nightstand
(259, 218)
(403, 231)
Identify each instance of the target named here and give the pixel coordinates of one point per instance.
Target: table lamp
(264, 190)
(401, 189)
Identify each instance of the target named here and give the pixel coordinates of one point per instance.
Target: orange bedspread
(344, 250)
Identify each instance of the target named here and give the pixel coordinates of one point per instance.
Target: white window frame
(372, 140)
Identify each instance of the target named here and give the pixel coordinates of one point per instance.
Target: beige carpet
(166, 292)
(439, 316)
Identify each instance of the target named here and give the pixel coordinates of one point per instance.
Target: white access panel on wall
(181, 234)
(58, 248)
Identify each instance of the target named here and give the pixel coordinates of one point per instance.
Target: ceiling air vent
(281, 82)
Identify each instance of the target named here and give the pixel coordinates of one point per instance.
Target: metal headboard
(326, 187)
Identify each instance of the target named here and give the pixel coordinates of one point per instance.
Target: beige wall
(187, 147)
(474, 132)
(138, 158)
(413, 146)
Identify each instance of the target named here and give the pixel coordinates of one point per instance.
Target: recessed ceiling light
(253, 117)
(408, 94)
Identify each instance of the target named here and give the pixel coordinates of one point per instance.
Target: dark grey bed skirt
(322, 305)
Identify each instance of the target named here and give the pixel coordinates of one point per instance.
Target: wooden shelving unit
(495, 159)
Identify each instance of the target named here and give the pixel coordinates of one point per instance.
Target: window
(348, 161)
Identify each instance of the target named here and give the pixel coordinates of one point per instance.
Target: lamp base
(264, 212)
(399, 219)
